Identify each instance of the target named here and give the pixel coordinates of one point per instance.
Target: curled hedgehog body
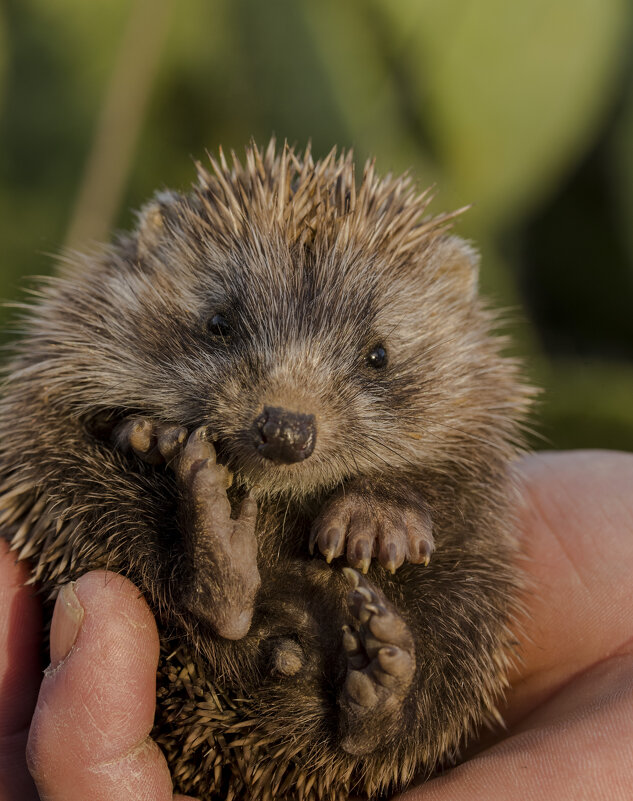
(279, 408)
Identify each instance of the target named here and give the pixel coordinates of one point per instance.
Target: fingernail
(67, 619)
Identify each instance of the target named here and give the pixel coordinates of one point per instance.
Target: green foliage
(498, 103)
(513, 91)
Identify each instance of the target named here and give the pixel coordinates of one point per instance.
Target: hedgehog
(280, 407)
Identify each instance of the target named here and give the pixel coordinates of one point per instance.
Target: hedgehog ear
(151, 223)
(459, 260)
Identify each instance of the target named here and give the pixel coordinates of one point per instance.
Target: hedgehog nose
(285, 437)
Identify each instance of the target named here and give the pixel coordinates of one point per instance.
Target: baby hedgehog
(279, 408)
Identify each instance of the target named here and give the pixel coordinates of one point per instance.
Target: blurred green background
(524, 109)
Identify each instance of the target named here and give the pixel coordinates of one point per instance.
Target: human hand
(570, 710)
(89, 735)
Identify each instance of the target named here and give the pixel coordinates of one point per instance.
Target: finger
(20, 674)
(577, 746)
(90, 731)
(576, 524)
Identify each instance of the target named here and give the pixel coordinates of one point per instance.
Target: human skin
(569, 711)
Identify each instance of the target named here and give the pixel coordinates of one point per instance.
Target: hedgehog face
(293, 382)
(296, 396)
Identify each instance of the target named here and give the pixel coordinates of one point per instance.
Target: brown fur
(311, 271)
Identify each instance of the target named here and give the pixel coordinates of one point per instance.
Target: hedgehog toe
(153, 443)
(419, 528)
(170, 440)
(287, 657)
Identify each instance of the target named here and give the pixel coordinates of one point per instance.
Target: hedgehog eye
(218, 326)
(377, 357)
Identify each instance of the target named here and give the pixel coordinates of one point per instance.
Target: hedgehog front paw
(362, 528)
(380, 658)
(223, 577)
(154, 443)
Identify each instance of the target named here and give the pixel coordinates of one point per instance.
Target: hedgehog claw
(365, 593)
(330, 540)
(353, 648)
(352, 577)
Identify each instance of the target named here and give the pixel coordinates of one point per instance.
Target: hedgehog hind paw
(380, 657)
(222, 576)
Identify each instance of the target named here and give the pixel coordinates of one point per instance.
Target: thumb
(90, 732)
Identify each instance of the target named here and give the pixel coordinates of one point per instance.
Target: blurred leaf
(513, 92)
(371, 92)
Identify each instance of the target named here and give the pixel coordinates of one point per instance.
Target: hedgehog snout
(284, 437)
